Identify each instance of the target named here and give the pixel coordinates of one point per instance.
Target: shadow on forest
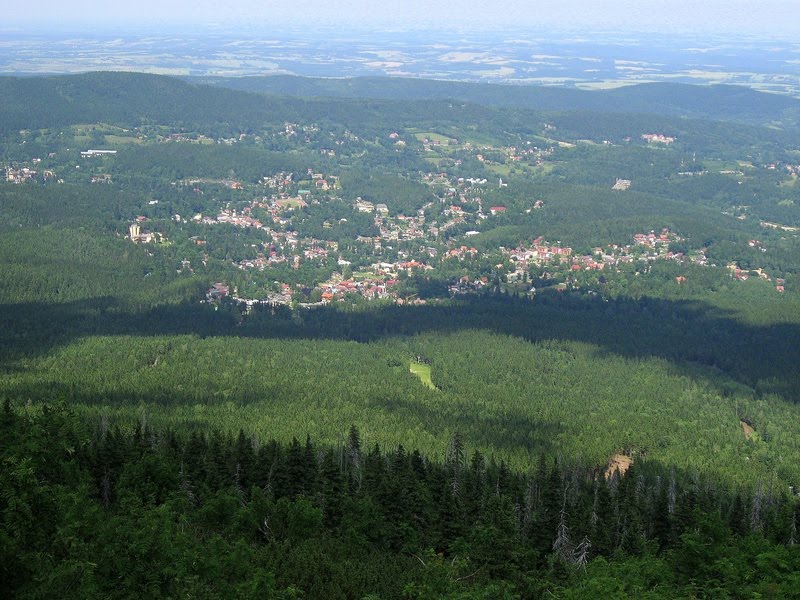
(518, 430)
(698, 339)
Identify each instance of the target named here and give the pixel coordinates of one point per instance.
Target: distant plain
(602, 60)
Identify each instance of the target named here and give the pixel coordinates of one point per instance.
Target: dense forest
(397, 339)
(96, 512)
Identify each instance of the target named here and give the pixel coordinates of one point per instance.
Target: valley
(487, 347)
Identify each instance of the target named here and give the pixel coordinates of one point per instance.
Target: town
(308, 240)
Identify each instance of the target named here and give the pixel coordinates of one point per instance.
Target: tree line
(89, 510)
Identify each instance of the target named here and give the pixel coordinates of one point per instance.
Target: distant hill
(715, 119)
(130, 99)
(127, 98)
(718, 102)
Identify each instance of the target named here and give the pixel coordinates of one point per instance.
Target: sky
(763, 17)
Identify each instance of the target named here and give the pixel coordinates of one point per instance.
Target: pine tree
(736, 517)
(474, 484)
(374, 471)
(244, 456)
(310, 469)
(756, 507)
(332, 489)
(295, 468)
(455, 459)
(549, 514)
(602, 518)
(661, 519)
(353, 460)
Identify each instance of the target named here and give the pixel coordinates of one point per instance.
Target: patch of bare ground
(619, 463)
(747, 428)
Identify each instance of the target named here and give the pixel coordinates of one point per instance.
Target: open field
(435, 138)
(423, 372)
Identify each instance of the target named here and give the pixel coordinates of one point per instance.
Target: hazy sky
(759, 16)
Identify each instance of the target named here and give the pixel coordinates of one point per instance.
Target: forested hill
(125, 99)
(129, 99)
(718, 102)
(133, 99)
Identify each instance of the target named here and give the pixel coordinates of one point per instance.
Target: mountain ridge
(127, 97)
(718, 102)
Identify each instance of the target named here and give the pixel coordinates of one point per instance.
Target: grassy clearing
(715, 166)
(553, 142)
(424, 374)
(119, 139)
(104, 128)
(291, 203)
(502, 170)
(435, 137)
(365, 275)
